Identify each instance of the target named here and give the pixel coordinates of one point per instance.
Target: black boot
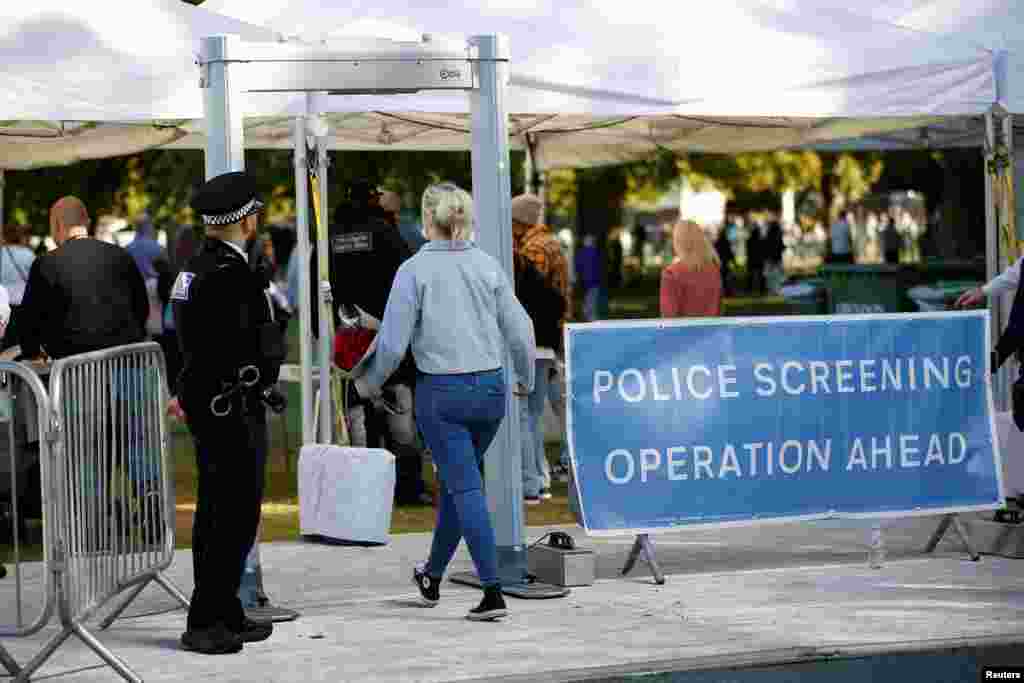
(215, 640)
(491, 607)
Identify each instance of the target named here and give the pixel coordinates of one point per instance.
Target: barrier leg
(109, 657)
(132, 594)
(939, 533)
(175, 592)
(643, 548)
(961, 531)
(51, 646)
(8, 662)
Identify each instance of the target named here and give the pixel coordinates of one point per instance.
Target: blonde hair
(692, 247)
(449, 209)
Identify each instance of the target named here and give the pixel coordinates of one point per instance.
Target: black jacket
(223, 322)
(85, 296)
(366, 252)
(544, 303)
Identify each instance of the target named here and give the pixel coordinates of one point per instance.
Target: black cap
(226, 199)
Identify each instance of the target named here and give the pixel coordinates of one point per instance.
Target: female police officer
(232, 352)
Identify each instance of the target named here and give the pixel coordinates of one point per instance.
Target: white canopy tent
(593, 82)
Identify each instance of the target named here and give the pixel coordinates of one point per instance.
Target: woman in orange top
(691, 286)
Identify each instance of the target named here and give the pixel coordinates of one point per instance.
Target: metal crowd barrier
(16, 381)
(109, 517)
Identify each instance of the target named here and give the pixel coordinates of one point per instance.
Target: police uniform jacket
(224, 323)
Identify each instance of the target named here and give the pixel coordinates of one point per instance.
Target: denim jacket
(455, 306)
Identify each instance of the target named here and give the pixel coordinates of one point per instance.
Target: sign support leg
(644, 549)
(961, 531)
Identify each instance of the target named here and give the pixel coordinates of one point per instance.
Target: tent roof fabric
(592, 81)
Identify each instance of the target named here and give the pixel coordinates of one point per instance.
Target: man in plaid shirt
(535, 245)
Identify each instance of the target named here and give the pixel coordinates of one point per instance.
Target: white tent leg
(304, 297)
(326, 314)
(222, 102)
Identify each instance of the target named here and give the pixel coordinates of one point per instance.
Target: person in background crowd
(538, 249)
(691, 286)
(16, 260)
(367, 252)
(756, 248)
(454, 306)
(891, 239)
(726, 256)
(84, 296)
(615, 257)
(774, 248)
(185, 246)
(145, 249)
(391, 204)
(842, 240)
(588, 275)
(225, 326)
(168, 338)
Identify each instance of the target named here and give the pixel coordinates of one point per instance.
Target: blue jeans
(531, 411)
(459, 416)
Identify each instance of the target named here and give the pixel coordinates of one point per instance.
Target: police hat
(226, 199)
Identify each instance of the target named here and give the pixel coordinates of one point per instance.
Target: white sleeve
(1007, 282)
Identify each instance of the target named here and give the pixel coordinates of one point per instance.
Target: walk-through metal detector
(479, 67)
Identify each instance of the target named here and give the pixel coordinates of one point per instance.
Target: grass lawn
(281, 505)
(281, 500)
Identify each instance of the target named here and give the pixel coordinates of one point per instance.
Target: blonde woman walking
(691, 286)
(455, 306)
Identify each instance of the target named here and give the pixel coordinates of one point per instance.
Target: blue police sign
(674, 423)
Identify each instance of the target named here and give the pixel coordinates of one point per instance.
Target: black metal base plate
(525, 591)
(270, 614)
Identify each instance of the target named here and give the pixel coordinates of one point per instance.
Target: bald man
(86, 295)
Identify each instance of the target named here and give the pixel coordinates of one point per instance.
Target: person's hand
(175, 411)
(520, 390)
(970, 298)
(367, 321)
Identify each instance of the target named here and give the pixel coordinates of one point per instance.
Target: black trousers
(231, 456)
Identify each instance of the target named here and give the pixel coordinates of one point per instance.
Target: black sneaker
(430, 588)
(254, 631)
(216, 640)
(491, 607)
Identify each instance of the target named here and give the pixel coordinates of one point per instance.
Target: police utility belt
(234, 391)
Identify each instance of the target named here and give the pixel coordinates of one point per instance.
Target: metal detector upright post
(479, 67)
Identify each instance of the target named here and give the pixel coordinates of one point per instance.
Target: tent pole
(492, 190)
(302, 249)
(992, 251)
(325, 299)
(222, 104)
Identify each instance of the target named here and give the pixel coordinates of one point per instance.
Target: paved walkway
(734, 596)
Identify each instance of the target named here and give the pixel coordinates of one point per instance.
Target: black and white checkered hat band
(251, 207)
